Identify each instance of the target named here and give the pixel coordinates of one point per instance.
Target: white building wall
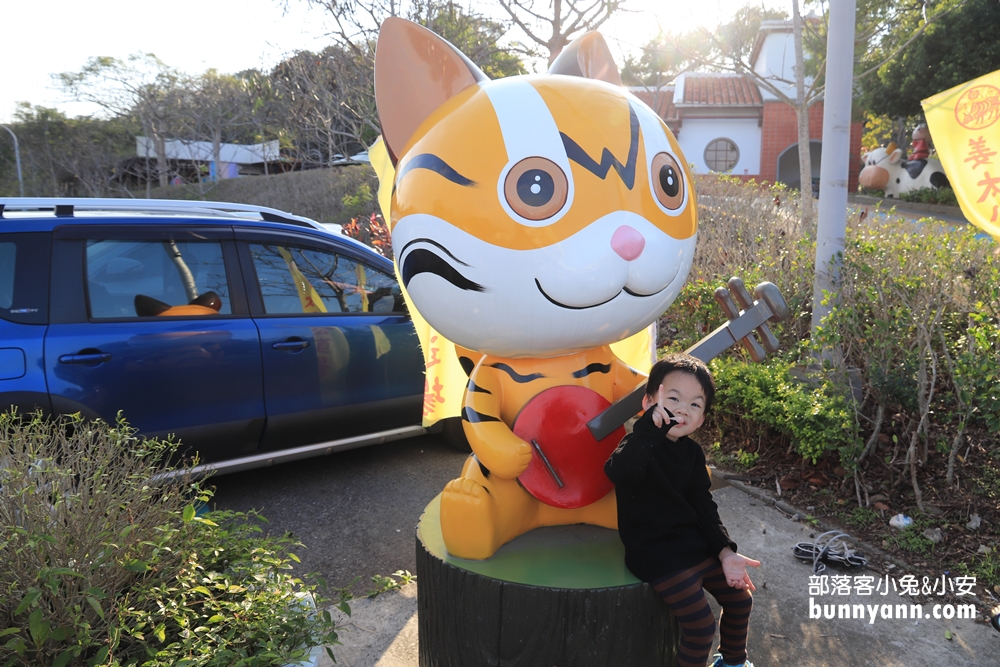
(697, 133)
(201, 151)
(776, 63)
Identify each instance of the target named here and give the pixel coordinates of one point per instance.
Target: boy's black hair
(684, 363)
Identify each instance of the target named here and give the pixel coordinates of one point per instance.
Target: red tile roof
(661, 101)
(721, 90)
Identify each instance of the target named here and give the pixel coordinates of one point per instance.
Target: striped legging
(682, 592)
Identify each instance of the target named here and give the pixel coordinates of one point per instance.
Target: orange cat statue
(535, 220)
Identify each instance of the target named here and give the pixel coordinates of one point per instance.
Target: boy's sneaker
(719, 662)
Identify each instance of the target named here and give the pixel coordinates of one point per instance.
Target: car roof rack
(65, 207)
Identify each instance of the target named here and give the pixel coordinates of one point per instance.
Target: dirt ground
(944, 537)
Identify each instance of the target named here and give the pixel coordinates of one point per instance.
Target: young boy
(668, 521)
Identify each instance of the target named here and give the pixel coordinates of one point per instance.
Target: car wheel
(454, 434)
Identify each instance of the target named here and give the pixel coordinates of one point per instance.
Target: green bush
(754, 232)
(693, 315)
(232, 601)
(753, 398)
(914, 332)
(917, 318)
(102, 563)
(741, 461)
(944, 196)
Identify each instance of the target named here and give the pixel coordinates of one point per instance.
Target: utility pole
(17, 158)
(835, 162)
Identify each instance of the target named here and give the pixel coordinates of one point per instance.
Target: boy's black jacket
(667, 519)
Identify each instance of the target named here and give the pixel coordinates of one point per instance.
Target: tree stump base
(558, 596)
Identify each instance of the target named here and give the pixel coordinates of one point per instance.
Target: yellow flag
(359, 272)
(382, 343)
(965, 124)
(444, 386)
(310, 298)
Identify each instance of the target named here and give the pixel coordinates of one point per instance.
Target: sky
(45, 38)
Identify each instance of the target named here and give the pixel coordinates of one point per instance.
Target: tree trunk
(467, 618)
(183, 270)
(802, 117)
(160, 146)
(557, 41)
(554, 596)
(265, 154)
(149, 136)
(217, 151)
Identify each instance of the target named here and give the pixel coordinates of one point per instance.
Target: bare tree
(261, 97)
(217, 109)
(326, 100)
(142, 86)
(552, 24)
(884, 29)
(331, 95)
(802, 118)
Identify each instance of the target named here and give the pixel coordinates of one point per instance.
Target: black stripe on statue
(422, 260)
(473, 417)
(608, 161)
(483, 469)
(514, 375)
(592, 368)
(433, 163)
(475, 388)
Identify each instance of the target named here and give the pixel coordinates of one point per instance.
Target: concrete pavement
(382, 632)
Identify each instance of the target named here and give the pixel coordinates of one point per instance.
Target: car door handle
(93, 358)
(291, 345)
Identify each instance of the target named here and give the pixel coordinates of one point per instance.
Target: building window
(721, 155)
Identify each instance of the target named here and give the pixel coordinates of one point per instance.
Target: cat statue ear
(587, 56)
(416, 71)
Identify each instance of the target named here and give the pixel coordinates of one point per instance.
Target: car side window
(8, 253)
(24, 280)
(138, 278)
(296, 280)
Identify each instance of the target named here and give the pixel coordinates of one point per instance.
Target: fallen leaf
(819, 479)
(789, 482)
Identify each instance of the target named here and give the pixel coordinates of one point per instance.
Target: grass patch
(860, 517)
(739, 461)
(912, 541)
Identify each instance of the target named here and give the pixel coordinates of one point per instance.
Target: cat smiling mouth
(595, 305)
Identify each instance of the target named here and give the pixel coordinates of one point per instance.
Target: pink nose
(627, 242)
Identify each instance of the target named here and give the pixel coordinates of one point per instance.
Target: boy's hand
(734, 566)
(661, 415)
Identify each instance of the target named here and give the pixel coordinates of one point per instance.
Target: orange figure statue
(536, 220)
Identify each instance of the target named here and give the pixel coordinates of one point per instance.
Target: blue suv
(253, 335)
